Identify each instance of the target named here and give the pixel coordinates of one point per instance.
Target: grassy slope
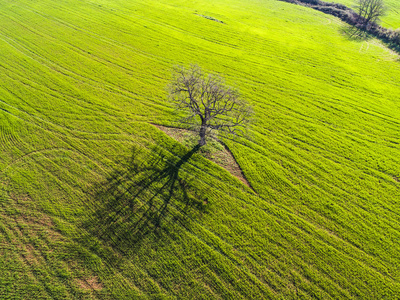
(86, 180)
(391, 19)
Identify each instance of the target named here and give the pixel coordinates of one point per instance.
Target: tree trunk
(203, 128)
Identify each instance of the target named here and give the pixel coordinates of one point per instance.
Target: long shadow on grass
(144, 197)
(354, 33)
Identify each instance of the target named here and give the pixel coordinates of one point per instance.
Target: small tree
(370, 11)
(209, 104)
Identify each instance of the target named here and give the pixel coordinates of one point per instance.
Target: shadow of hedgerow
(142, 197)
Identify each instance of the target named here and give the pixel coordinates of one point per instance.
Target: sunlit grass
(98, 203)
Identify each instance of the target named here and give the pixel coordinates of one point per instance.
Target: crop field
(96, 202)
(391, 18)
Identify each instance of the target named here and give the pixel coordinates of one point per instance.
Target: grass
(391, 19)
(95, 202)
(214, 150)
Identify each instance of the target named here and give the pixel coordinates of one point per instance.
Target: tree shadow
(361, 33)
(354, 33)
(143, 197)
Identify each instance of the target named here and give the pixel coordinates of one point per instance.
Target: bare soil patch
(29, 256)
(91, 283)
(37, 220)
(217, 153)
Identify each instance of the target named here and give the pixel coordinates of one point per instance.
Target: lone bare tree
(370, 10)
(208, 103)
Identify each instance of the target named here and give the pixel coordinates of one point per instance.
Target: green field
(391, 18)
(98, 203)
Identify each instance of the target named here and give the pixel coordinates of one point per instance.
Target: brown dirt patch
(54, 236)
(20, 199)
(29, 256)
(226, 160)
(91, 283)
(223, 158)
(4, 181)
(42, 220)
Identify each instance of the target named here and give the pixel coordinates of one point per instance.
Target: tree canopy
(208, 103)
